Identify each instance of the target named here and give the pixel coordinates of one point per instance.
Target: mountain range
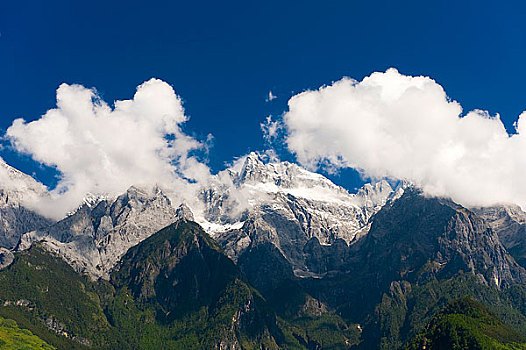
(268, 255)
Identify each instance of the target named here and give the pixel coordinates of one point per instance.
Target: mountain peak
(184, 213)
(253, 168)
(375, 193)
(17, 186)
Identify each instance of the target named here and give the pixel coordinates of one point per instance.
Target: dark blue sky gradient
(223, 57)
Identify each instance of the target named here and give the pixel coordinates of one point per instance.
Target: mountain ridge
(328, 268)
(101, 230)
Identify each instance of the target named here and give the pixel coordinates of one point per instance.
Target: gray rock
(509, 222)
(17, 190)
(93, 239)
(416, 237)
(288, 206)
(6, 258)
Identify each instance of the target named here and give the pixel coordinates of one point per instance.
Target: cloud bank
(404, 127)
(100, 149)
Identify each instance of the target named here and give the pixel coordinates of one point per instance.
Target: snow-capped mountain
(286, 205)
(322, 209)
(247, 204)
(292, 234)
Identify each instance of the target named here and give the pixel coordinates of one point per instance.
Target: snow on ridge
(236, 199)
(261, 178)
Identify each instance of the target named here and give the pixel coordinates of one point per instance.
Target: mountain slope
(17, 192)
(44, 294)
(181, 271)
(94, 237)
(415, 237)
(419, 253)
(175, 290)
(467, 324)
(509, 222)
(12, 337)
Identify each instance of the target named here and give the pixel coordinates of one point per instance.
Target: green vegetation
(181, 278)
(45, 295)
(308, 323)
(320, 332)
(176, 290)
(467, 324)
(14, 338)
(405, 312)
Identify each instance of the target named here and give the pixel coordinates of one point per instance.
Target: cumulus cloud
(390, 125)
(100, 149)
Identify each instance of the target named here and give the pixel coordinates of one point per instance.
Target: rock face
(6, 257)
(509, 222)
(93, 238)
(16, 191)
(416, 237)
(287, 206)
(246, 205)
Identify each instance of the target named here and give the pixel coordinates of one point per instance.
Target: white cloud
(100, 149)
(404, 127)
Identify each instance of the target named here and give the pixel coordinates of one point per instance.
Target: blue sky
(223, 58)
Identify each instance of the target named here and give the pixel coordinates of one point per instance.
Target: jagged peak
(252, 168)
(136, 191)
(18, 182)
(91, 199)
(254, 157)
(184, 213)
(375, 187)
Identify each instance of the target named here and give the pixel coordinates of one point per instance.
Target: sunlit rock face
(17, 190)
(97, 234)
(509, 223)
(248, 204)
(288, 206)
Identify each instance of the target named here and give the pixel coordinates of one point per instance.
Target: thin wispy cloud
(270, 129)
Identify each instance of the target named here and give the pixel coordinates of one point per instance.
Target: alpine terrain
(267, 255)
